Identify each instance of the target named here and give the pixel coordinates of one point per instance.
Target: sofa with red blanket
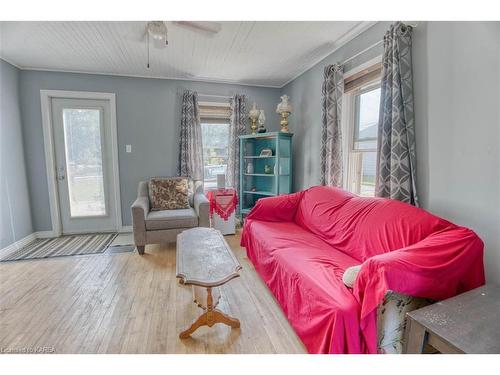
(302, 243)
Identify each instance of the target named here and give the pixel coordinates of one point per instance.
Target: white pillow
(350, 274)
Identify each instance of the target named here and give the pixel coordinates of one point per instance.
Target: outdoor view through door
(84, 172)
(215, 139)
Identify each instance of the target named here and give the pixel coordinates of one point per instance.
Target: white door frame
(46, 97)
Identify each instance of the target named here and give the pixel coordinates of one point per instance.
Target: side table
(467, 323)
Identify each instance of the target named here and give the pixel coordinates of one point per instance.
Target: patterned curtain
(191, 149)
(331, 139)
(396, 133)
(236, 128)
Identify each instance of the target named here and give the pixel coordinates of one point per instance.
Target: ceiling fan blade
(207, 26)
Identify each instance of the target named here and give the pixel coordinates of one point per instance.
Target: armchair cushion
(171, 219)
(169, 193)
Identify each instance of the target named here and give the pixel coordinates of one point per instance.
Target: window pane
(215, 138)
(368, 173)
(362, 173)
(366, 126)
(82, 139)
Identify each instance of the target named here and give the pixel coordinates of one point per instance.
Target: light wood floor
(126, 303)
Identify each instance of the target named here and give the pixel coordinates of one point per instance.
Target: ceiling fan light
(157, 30)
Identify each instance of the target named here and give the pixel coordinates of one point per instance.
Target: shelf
(259, 157)
(260, 174)
(245, 211)
(265, 174)
(266, 193)
(267, 135)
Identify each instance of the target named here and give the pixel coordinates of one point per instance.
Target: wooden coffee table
(205, 261)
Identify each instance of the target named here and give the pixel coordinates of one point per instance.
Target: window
(362, 128)
(215, 139)
(215, 151)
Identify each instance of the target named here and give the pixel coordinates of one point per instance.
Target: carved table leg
(210, 317)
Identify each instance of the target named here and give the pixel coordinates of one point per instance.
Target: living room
(314, 186)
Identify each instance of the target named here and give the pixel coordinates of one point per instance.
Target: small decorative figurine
(267, 169)
(253, 114)
(262, 120)
(284, 109)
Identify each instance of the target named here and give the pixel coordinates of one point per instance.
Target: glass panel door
(84, 165)
(84, 171)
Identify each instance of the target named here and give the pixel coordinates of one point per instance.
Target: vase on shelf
(262, 120)
(250, 169)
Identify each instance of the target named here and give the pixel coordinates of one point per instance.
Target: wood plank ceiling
(252, 53)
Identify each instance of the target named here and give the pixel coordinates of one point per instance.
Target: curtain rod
(361, 52)
(413, 25)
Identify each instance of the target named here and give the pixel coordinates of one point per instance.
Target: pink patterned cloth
(223, 202)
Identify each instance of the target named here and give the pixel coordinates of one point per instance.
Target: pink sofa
(302, 243)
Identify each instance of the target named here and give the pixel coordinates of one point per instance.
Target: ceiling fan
(158, 30)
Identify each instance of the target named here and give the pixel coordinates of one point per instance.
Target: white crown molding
(344, 39)
(339, 43)
(194, 79)
(10, 62)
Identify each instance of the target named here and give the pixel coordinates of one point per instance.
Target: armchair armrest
(279, 208)
(202, 208)
(140, 209)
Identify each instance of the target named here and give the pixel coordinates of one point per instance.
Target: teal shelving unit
(259, 184)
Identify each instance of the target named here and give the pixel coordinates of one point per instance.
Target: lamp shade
(254, 112)
(284, 106)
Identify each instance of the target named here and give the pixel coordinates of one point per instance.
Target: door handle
(61, 175)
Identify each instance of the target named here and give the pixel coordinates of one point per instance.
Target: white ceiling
(251, 53)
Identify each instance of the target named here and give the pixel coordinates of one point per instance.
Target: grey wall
(457, 84)
(148, 118)
(457, 100)
(15, 205)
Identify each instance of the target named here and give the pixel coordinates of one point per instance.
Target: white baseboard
(86, 231)
(126, 229)
(45, 234)
(18, 244)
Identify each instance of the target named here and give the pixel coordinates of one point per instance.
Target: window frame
(349, 123)
(217, 120)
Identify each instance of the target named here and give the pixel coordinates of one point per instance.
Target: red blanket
(302, 243)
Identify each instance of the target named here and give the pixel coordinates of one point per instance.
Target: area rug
(81, 244)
